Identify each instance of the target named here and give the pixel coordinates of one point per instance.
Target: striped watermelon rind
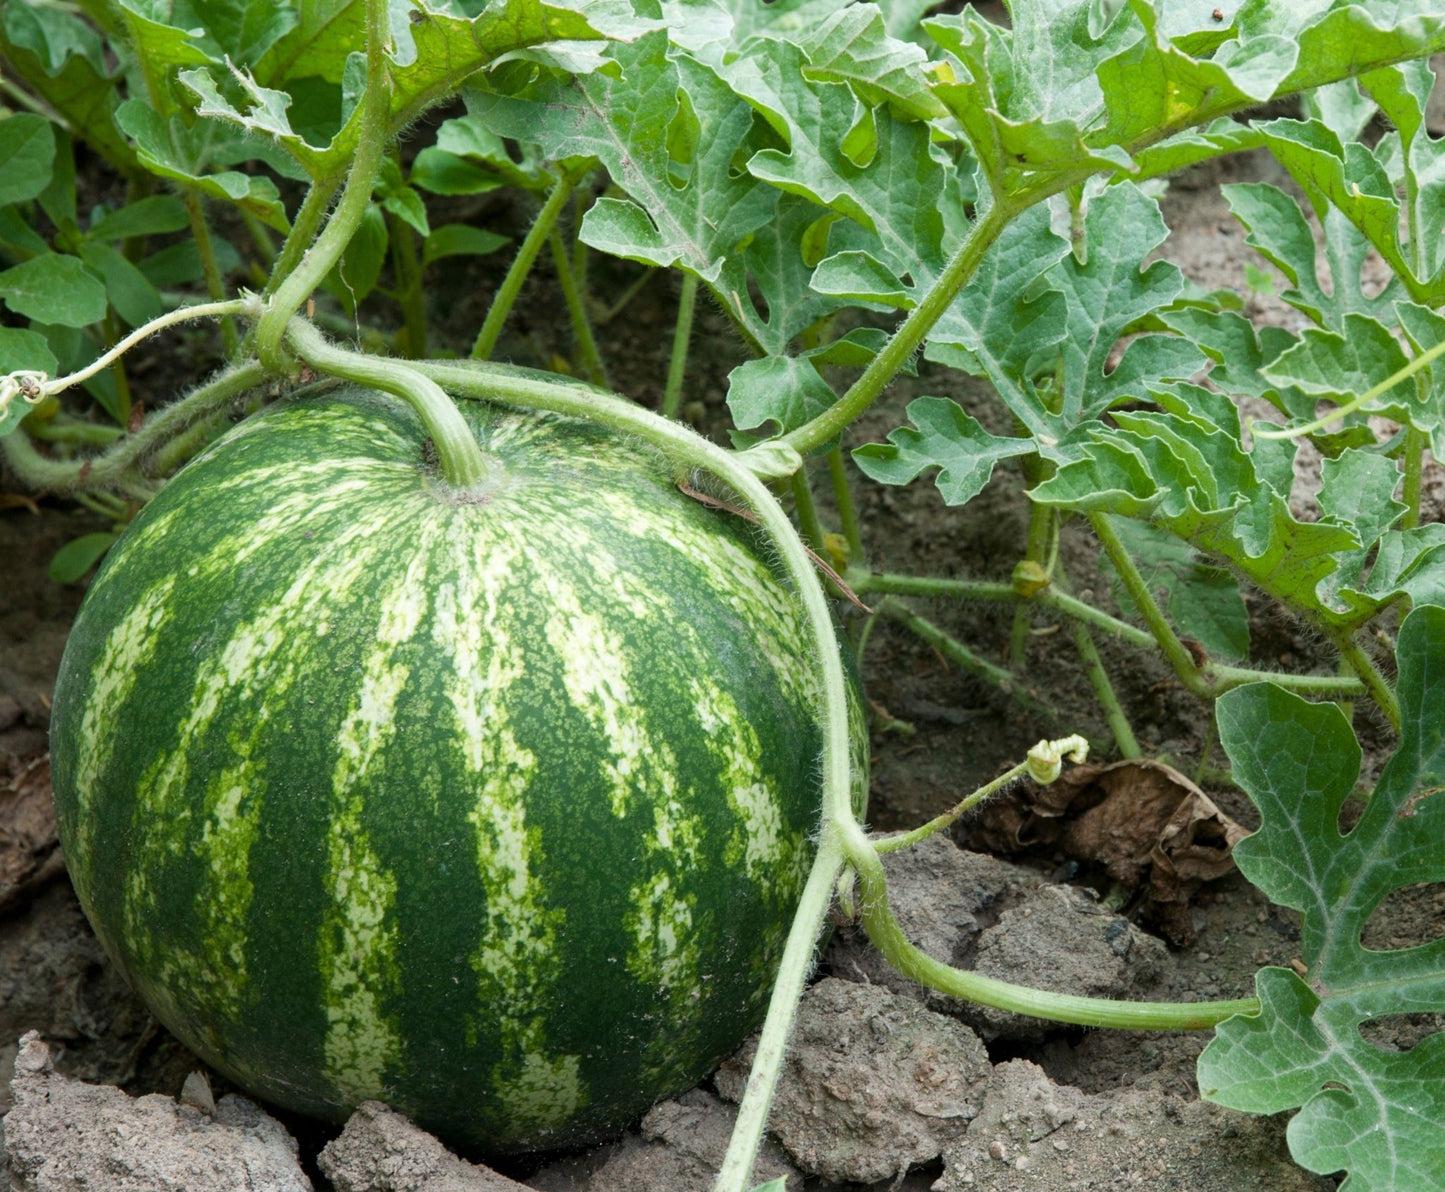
(495, 808)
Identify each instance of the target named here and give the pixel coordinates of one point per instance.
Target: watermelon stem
(462, 461)
(130, 465)
(274, 326)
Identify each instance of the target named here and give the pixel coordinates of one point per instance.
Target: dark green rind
(224, 920)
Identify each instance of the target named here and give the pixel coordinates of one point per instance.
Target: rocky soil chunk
(873, 1083)
(680, 1149)
(1032, 1133)
(381, 1151)
(943, 897)
(1060, 938)
(64, 1135)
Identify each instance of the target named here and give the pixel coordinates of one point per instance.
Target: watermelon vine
(948, 193)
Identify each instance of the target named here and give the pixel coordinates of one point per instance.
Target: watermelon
(491, 806)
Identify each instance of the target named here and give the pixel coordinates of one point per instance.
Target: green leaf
(170, 150)
(79, 555)
(433, 54)
(245, 29)
(128, 290)
(1338, 366)
(1278, 230)
(778, 1185)
(407, 205)
(1110, 290)
(785, 390)
(325, 34)
(359, 269)
(853, 46)
(1007, 323)
(180, 263)
(1378, 1115)
(444, 173)
(161, 44)
(61, 59)
(54, 288)
(459, 240)
(947, 439)
(1197, 483)
(1345, 175)
(1403, 93)
(898, 195)
(27, 150)
(153, 216)
(1202, 601)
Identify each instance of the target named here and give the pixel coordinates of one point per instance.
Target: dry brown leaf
(29, 849)
(1149, 827)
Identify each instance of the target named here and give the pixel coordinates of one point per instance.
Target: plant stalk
(521, 265)
(577, 309)
(681, 338)
(122, 468)
(461, 459)
(210, 268)
(1165, 638)
(318, 260)
(847, 512)
(828, 425)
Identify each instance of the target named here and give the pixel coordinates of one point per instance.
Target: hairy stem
(681, 338)
(1167, 640)
(408, 285)
(511, 286)
(828, 425)
(577, 309)
(124, 467)
(461, 459)
(210, 269)
(888, 937)
(318, 260)
(847, 512)
(808, 524)
(1364, 668)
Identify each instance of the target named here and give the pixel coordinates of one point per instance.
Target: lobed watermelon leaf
(1377, 1114)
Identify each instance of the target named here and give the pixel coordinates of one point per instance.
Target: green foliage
(1365, 1109)
(823, 167)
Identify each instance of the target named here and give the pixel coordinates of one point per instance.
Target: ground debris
(1031, 1133)
(873, 1083)
(381, 1151)
(1063, 940)
(943, 897)
(679, 1149)
(29, 848)
(1151, 829)
(63, 1135)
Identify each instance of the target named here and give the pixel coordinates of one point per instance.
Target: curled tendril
(27, 384)
(1046, 759)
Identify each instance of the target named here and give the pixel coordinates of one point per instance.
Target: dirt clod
(943, 897)
(1061, 939)
(1033, 1133)
(873, 1083)
(680, 1149)
(64, 1135)
(381, 1151)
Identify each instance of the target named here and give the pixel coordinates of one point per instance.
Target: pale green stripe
(516, 958)
(123, 659)
(358, 940)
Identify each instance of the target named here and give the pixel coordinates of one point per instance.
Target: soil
(887, 1086)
